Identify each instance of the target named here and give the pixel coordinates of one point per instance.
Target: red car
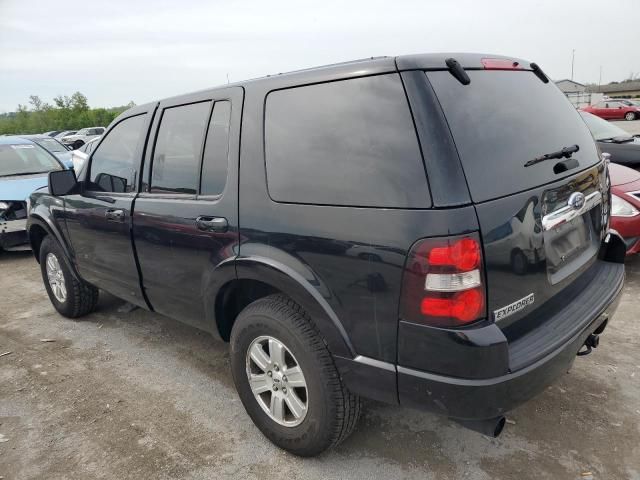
(625, 205)
(614, 110)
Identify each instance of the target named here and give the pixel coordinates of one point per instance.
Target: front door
(185, 222)
(99, 218)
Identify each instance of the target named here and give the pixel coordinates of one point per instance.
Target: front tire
(70, 296)
(630, 116)
(275, 344)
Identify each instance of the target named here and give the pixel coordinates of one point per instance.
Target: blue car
(24, 167)
(53, 146)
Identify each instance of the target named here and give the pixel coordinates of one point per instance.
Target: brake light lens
(463, 255)
(443, 283)
(500, 64)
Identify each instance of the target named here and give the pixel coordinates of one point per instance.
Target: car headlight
(622, 208)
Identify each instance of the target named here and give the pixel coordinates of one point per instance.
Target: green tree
(66, 113)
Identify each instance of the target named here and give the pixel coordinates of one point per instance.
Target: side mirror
(62, 182)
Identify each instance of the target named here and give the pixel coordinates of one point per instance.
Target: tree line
(66, 113)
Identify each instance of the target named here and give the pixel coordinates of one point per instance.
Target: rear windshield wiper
(620, 139)
(564, 152)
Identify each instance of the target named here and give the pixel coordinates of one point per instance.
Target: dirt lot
(136, 395)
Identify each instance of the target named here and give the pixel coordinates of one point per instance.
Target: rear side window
(113, 163)
(350, 142)
(178, 150)
(503, 119)
(216, 150)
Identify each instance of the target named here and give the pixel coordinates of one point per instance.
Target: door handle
(115, 215)
(212, 224)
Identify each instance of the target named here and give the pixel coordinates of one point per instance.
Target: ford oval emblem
(576, 200)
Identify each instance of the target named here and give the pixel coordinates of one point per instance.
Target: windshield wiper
(564, 152)
(22, 173)
(618, 139)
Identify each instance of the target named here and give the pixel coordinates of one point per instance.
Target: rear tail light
(443, 283)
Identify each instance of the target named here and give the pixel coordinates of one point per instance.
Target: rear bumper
(476, 399)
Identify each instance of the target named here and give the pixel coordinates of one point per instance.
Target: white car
(82, 136)
(79, 156)
(63, 134)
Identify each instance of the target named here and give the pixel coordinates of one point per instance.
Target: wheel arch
(38, 228)
(258, 277)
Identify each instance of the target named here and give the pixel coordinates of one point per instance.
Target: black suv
(427, 230)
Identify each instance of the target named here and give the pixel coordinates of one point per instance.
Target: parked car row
(74, 139)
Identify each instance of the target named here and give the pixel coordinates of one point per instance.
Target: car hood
(19, 188)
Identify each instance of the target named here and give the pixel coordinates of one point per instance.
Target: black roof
(361, 67)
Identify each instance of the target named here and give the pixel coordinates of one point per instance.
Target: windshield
(601, 129)
(503, 119)
(51, 145)
(25, 159)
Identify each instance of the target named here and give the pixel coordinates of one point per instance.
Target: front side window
(350, 142)
(113, 164)
(178, 150)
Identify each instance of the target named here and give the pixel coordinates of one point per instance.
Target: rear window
(177, 154)
(501, 120)
(349, 142)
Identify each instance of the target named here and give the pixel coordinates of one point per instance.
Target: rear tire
(70, 296)
(330, 410)
(630, 116)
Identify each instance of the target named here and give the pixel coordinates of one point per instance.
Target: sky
(116, 51)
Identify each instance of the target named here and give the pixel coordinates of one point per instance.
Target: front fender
(289, 275)
(47, 212)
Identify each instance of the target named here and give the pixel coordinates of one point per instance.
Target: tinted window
(176, 158)
(216, 150)
(503, 119)
(350, 142)
(113, 162)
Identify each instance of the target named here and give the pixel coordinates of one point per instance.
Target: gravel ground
(136, 395)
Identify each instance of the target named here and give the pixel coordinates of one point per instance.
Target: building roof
(618, 87)
(571, 81)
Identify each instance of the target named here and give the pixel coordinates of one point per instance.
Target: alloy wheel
(277, 381)
(55, 277)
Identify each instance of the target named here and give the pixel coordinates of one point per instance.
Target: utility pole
(573, 57)
(600, 80)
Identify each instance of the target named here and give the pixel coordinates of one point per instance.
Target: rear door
(99, 218)
(541, 224)
(186, 218)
